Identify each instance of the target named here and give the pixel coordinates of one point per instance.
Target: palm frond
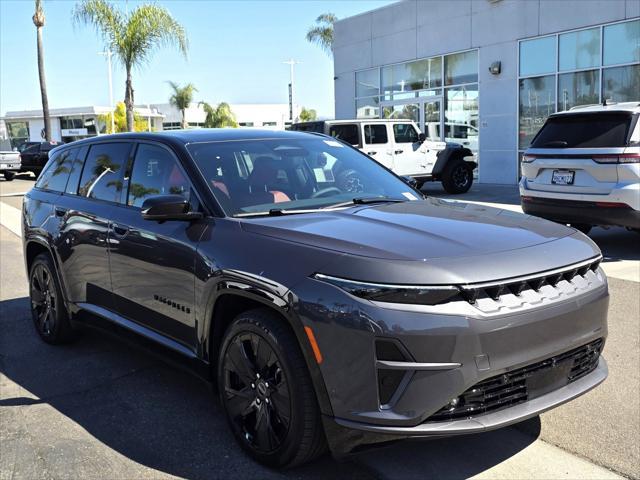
(322, 33)
(106, 20)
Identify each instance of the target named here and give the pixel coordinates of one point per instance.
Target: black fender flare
(42, 241)
(450, 154)
(273, 296)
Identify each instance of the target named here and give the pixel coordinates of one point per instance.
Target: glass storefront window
(621, 84)
(537, 102)
(409, 111)
(368, 83)
(461, 116)
(461, 68)
(18, 133)
(411, 76)
(580, 49)
(580, 88)
(538, 56)
(368, 107)
(621, 43)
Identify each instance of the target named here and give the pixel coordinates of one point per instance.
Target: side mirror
(168, 207)
(422, 137)
(412, 182)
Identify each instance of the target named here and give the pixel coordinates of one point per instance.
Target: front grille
(526, 383)
(533, 290)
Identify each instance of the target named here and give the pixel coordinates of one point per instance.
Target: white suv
(583, 167)
(402, 148)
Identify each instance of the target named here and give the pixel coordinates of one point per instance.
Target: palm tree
(322, 33)
(182, 98)
(220, 116)
(39, 20)
(132, 36)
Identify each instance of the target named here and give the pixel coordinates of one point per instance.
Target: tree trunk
(128, 100)
(43, 88)
(184, 119)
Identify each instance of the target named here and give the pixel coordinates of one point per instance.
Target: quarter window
(374, 134)
(54, 178)
(102, 173)
(347, 133)
(155, 172)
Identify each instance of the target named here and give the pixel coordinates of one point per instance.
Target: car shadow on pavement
(162, 417)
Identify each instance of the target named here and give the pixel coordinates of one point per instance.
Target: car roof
(199, 135)
(629, 107)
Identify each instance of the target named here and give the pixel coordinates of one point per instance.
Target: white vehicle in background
(583, 167)
(10, 162)
(402, 148)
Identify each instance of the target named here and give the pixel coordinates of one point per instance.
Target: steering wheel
(325, 191)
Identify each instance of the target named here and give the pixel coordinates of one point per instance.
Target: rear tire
(457, 177)
(48, 311)
(266, 391)
(8, 176)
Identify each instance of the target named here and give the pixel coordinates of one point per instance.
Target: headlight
(378, 292)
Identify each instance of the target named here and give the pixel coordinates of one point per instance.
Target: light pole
(108, 54)
(291, 63)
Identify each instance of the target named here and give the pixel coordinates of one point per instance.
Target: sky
(235, 54)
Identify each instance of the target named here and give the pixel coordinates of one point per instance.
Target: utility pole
(291, 64)
(108, 54)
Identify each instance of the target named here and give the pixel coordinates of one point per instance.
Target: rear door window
(602, 130)
(54, 177)
(346, 132)
(404, 133)
(375, 134)
(102, 172)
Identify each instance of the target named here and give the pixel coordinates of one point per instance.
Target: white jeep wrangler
(402, 148)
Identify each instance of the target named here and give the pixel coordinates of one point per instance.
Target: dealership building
(486, 73)
(75, 123)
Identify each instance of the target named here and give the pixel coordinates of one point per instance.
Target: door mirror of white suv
(422, 137)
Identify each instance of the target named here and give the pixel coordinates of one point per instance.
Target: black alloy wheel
(266, 391)
(48, 311)
(457, 177)
(257, 395)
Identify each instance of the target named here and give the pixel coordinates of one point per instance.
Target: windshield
(255, 176)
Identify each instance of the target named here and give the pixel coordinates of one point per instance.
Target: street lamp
(291, 63)
(108, 54)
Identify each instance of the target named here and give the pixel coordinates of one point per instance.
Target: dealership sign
(74, 132)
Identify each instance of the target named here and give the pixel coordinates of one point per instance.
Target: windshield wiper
(366, 200)
(276, 212)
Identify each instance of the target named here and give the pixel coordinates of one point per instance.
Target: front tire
(48, 311)
(457, 177)
(8, 176)
(266, 391)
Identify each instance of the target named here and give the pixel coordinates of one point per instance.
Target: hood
(418, 230)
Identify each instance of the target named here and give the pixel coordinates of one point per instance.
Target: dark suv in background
(330, 302)
(35, 156)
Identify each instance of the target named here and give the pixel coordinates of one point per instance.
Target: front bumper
(494, 420)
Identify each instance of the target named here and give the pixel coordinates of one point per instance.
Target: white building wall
(413, 29)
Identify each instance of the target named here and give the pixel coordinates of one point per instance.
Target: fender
(42, 241)
(224, 283)
(451, 153)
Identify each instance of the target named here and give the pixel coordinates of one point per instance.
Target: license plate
(563, 177)
(4, 165)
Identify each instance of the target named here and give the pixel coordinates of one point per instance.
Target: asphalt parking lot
(104, 408)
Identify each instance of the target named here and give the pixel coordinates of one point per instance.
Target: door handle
(398, 151)
(60, 212)
(120, 230)
(371, 153)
